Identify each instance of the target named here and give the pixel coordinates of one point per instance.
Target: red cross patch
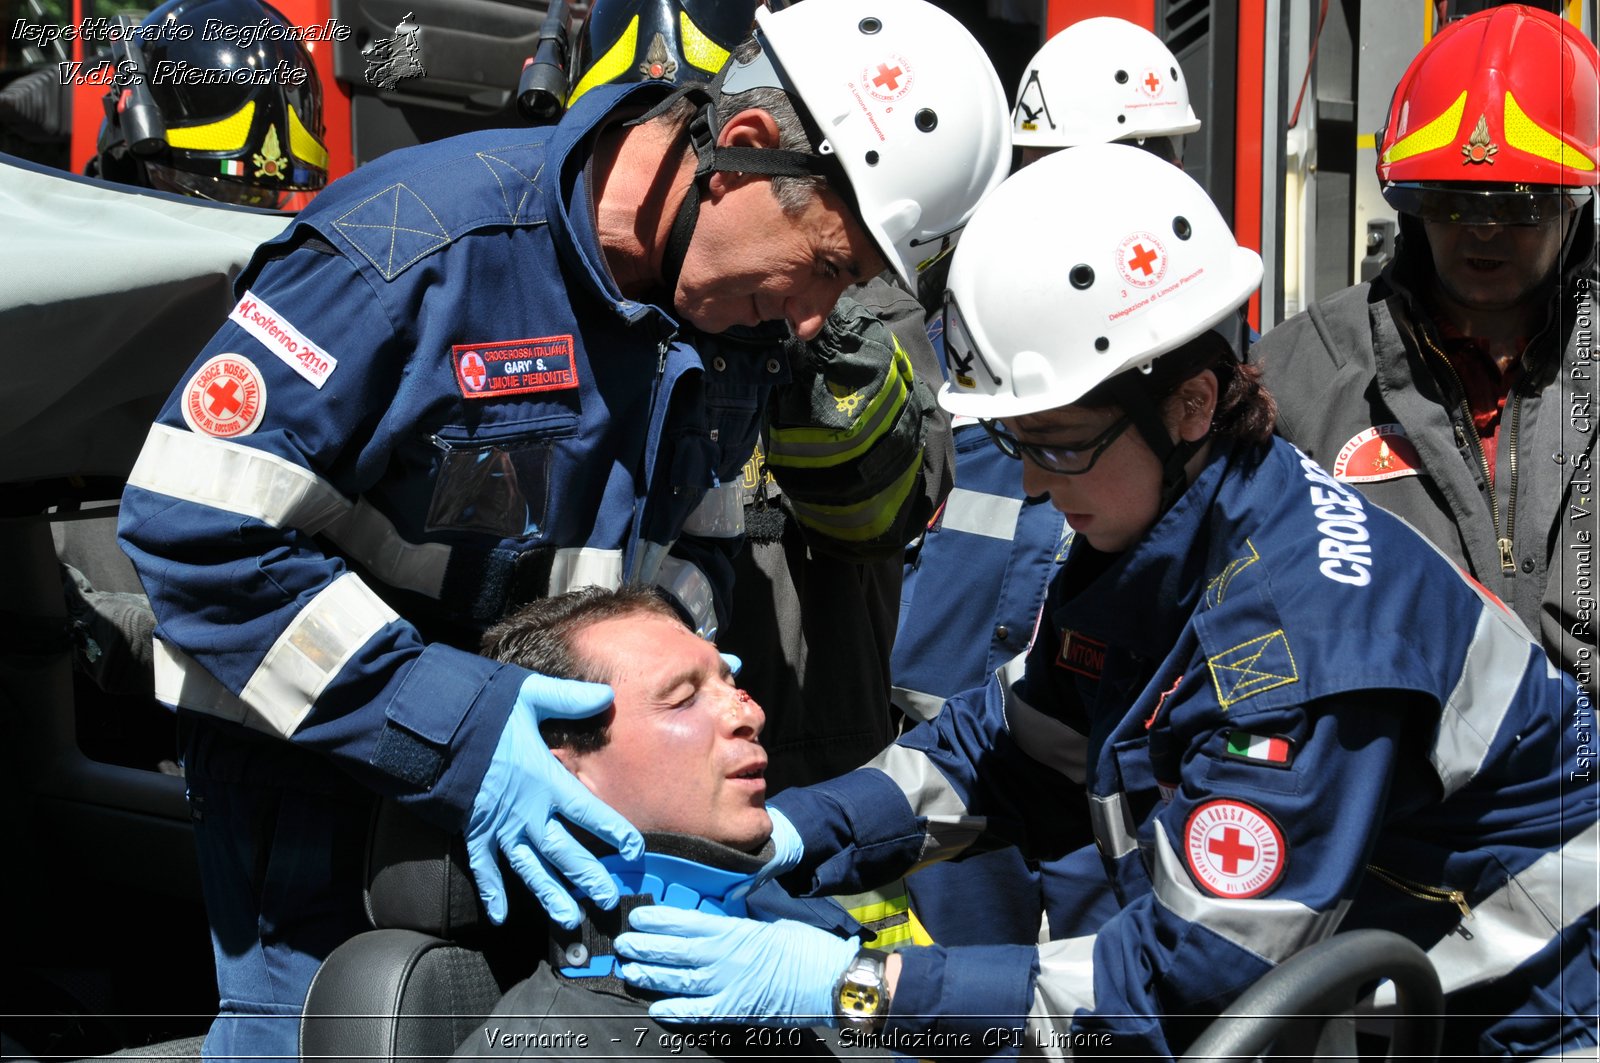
(888, 79)
(1151, 83)
(1142, 260)
(1234, 849)
(226, 397)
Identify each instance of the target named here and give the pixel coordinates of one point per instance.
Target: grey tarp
(106, 295)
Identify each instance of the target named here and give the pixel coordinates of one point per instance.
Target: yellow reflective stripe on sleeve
(1524, 134)
(811, 448)
(699, 49)
(227, 134)
(863, 520)
(1436, 134)
(304, 145)
(612, 65)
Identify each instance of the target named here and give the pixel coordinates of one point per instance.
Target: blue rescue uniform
(1292, 716)
(430, 404)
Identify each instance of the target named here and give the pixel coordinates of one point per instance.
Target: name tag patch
(1081, 654)
(514, 367)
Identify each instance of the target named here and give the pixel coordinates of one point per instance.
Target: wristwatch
(861, 995)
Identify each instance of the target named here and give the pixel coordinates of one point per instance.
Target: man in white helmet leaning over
(454, 385)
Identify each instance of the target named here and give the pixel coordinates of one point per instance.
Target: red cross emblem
(1142, 259)
(1233, 849)
(473, 372)
(1230, 850)
(226, 397)
(1152, 82)
(222, 398)
(889, 80)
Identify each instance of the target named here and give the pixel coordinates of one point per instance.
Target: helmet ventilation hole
(1122, 118)
(872, 158)
(1081, 276)
(1102, 344)
(1122, 77)
(927, 120)
(870, 26)
(1181, 228)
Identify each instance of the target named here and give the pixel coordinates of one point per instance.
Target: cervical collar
(677, 870)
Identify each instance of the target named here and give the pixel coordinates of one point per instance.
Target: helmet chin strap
(1129, 393)
(704, 128)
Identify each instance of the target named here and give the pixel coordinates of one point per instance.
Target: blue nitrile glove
(724, 968)
(733, 663)
(515, 810)
(787, 849)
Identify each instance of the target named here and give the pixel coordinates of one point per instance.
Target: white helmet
(1086, 264)
(1100, 80)
(907, 101)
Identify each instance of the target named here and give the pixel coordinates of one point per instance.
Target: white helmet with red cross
(1100, 80)
(1082, 266)
(907, 101)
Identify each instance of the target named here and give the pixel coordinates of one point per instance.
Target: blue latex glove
(723, 968)
(786, 845)
(516, 806)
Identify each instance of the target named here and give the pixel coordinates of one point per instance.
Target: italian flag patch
(1272, 750)
(233, 167)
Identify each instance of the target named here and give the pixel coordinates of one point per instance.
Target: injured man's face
(683, 751)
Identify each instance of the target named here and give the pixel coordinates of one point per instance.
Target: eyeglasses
(1510, 206)
(1061, 460)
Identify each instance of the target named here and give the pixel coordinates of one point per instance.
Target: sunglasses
(1485, 207)
(1074, 460)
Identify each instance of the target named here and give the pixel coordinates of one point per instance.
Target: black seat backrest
(420, 983)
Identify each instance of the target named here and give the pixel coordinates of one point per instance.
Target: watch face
(862, 999)
(858, 999)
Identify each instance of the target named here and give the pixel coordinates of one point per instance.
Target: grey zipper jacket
(1362, 388)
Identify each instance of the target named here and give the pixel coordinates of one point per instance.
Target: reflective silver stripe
(720, 515)
(1046, 739)
(252, 483)
(1271, 929)
(320, 640)
(976, 513)
(689, 586)
(1518, 919)
(324, 635)
(235, 478)
(584, 566)
(1113, 825)
(1496, 660)
(915, 703)
(949, 828)
(371, 539)
(180, 681)
(1065, 984)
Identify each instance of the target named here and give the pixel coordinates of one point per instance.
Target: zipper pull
(1459, 899)
(1461, 437)
(1508, 563)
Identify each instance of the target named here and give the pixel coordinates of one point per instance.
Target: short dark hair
(541, 637)
(1246, 411)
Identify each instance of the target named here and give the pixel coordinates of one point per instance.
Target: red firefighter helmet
(1506, 97)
